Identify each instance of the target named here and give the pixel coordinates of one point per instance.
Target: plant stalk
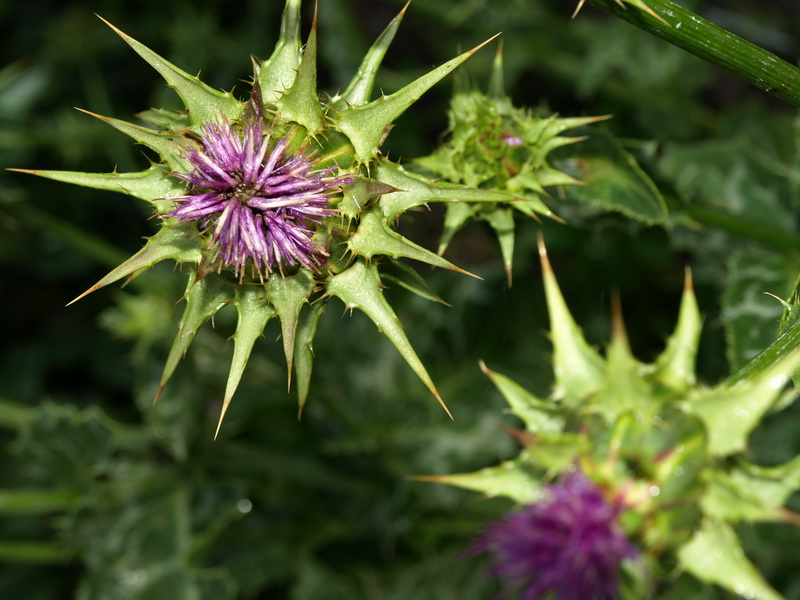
(712, 43)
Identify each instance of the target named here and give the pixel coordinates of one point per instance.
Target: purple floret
(261, 203)
(567, 544)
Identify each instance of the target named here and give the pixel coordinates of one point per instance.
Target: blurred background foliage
(103, 495)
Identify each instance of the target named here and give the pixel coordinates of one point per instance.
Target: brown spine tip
(688, 283)
(484, 369)
(435, 392)
(83, 295)
(578, 8)
(479, 46)
(158, 393)
(116, 30)
(430, 478)
(219, 423)
(91, 114)
(464, 272)
(617, 322)
(546, 267)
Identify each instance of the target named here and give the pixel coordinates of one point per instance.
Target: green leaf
(278, 74)
(714, 555)
(624, 391)
(300, 103)
(359, 90)
(502, 221)
(415, 190)
(750, 315)
(675, 367)
(614, 181)
(204, 103)
(496, 87)
(726, 174)
(180, 243)
(254, 312)
(367, 125)
(751, 493)
(374, 237)
(456, 215)
(512, 479)
(204, 298)
(357, 195)
(304, 351)
(558, 452)
(579, 369)
(731, 411)
(153, 185)
(288, 295)
(539, 416)
(165, 119)
(359, 286)
(62, 440)
(151, 538)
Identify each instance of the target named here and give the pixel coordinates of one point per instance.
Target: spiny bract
(280, 201)
(669, 451)
(494, 145)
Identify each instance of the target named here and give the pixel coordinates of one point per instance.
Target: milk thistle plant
(282, 201)
(493, 144)
(633, 477)
(650, 467)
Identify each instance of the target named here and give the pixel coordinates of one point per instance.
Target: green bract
(673, 450)
(342, 133)
(494, 145)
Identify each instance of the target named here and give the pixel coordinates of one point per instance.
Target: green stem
(33, 552)
(702, 38)
(786, 344)
(35, 501)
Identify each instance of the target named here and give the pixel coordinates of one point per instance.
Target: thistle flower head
(261, 201)
(672, 449)
(494, 145)
(567, 544)
(279, 186)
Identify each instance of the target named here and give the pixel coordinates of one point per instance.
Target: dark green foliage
(124, 493)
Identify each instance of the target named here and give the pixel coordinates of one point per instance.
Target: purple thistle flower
(262, 204)
(568, 544)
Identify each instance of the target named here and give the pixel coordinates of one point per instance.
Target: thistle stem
(786, 344)
(32, 501)
(689, 31)
(34, 552)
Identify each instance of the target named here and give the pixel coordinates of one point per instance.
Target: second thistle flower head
(260, 201)
(567, 544)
